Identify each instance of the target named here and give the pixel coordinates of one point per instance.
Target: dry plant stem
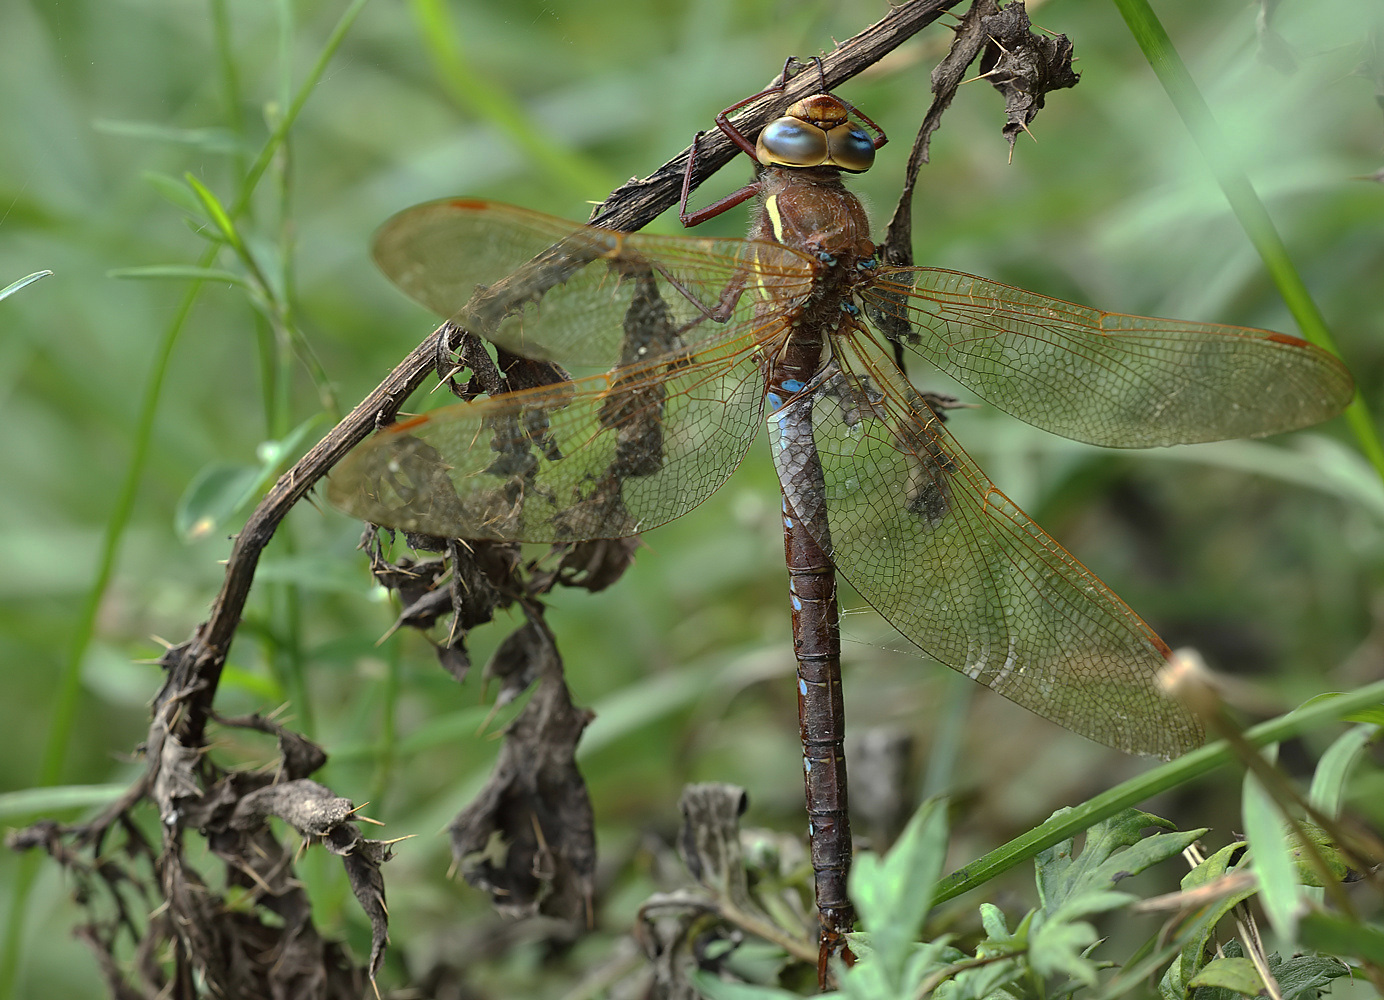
(634, 204)
(194, 668)
(767, 931)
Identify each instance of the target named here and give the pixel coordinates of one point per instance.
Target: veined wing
(960, 570)
(554, 290)
(676, 322)
(1106, 378)
(600, 457)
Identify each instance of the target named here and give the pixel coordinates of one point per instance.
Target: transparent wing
(960, 570)
(676, 322)
(1106, 378)
(554, 290)
(601, 457)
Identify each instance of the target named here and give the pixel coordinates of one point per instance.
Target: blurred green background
(1265, 556)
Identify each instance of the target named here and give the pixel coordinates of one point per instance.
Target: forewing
(960, 570)
(1107, 378)
(601, 457)
(552, 290)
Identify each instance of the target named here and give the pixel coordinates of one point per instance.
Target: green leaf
(992, 919)
(893, 894)
(988, 980)
(1196, 953)
(1305, 975)
(57, 798)
(1307, 717)
(211, 140)
(1370, 714)
(1114, 849)
(1073, 886)
(174, 191)
(1373, 715)
(869, 979)
(1336, 862)
(1271, 858)
(1236, 974)
(1335, 766)
(1058, 947)
(1244, 201)
(188, 271)
(216, 212)
(1339, 936)
(212, 498)
(220, 490)
(15, 286)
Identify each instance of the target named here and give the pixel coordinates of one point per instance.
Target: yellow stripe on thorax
(775, 219)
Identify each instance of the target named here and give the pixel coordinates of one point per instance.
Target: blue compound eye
(850, 149)
(790, 142)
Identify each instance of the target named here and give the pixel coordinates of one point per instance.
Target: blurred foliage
(1264, 556)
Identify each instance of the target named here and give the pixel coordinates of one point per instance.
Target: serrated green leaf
(1195, 952)
(1235, 974)
(1305, 976)
(23, 282)
(982, 981)
(893, 894)
(1090, 903)
(1271, 858)
(869, 980)
(183, 271)
(1058, 947)
(1114, 849)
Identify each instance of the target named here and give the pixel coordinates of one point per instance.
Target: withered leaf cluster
(252, 936)
(528, 839)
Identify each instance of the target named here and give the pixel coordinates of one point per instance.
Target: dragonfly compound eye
(789, 142)
(850, 149)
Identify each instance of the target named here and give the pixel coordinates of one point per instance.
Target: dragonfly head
(816, 132)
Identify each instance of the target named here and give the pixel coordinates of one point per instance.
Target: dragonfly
(692, 345)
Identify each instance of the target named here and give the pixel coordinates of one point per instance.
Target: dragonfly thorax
(811, 210)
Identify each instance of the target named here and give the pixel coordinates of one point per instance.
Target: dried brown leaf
(529, 837)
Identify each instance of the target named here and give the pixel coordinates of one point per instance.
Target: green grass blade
(472, 91)
(1318, 712)
(15, 286)
(281, 129)
(64, 714)
(1244, 201)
